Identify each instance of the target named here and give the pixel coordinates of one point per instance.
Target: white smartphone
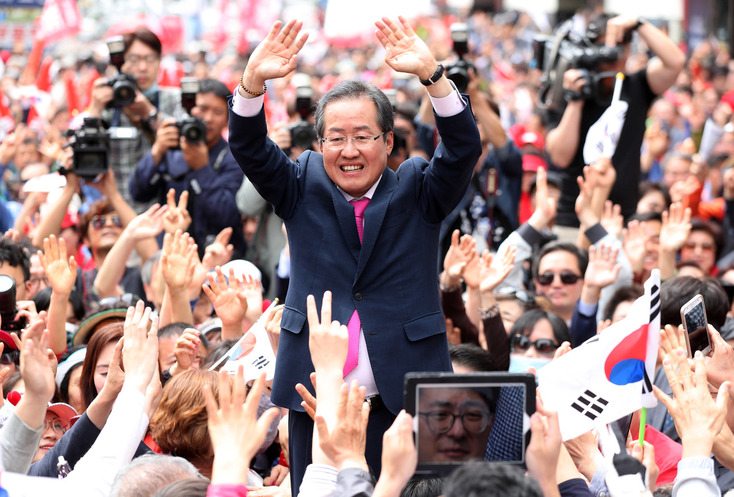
(693, 316)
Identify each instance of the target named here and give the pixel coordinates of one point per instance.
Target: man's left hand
(196, 155)
(404, 49)
(140, 109)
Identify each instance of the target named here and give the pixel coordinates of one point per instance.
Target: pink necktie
(355, 324)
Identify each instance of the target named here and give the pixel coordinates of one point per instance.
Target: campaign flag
(59, 19)
(253, 351)
(603, 136)
(609, 375)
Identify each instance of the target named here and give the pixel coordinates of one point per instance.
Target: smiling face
(54, 429)
(352, 169)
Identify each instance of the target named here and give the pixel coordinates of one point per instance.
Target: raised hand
(228, 297)
(328, 340)
(148, 224)
(345, 441)
(676, 228)
(492, 272)
(234, 428)
(177, 261)
(272, 326)
(35, 363)
(140, 346)
(60, 271)
(602, 269)
(185, 349)
(399, 457)
(545, 206)
(177, 217)
(275, 56)
(635, 245)
(220, 251)
(612, 219)
(460, 254)
(405, 51)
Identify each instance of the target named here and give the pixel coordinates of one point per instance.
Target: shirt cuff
(226, 490)
(246, 107)
(587, 309)
(284, 265)
(448, 106)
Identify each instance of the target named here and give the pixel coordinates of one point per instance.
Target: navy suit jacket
(391, 278)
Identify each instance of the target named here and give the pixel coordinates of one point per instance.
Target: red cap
(728, 98)
(531, 163)
(70, 219)
(530, 138)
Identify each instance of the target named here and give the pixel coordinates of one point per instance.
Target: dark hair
(352, 90)
(107, 333)
(525, 324)
(211, 85)
(217, 352)
(63, 390)
(42, 299)
(431, 487)
(16, 256)
(190, 487)
(622, 294)
(145, 36)
(649, 186)
(173, 329)
(675, 292)
(479, 479)
(643, 217)
(582, 257)
(472, 357)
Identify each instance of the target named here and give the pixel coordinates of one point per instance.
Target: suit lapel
(345, 215)
(374, 216)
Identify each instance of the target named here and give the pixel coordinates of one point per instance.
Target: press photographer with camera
(133, 101)
(587, 98)
(191, 155)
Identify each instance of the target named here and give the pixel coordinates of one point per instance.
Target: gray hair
(146, 475)
(146, 273)
(352, 90)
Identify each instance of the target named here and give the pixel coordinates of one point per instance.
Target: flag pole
(643, 419)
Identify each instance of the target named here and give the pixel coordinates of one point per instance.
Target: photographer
(142, 58)
(206, 169)
(565, 143)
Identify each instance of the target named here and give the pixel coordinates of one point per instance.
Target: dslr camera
(191, 128)
(458, 71)
(566, 49)
(8, 308)
(302, 133)
(123, 85)
(91, 144)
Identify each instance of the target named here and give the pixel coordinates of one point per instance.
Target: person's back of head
(148, 474)
(190, 487)
(430, 487)
(675, 292)
(483, 478)
(471, 357)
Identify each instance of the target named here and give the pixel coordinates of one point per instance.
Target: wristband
(640, 22)
(434, 78)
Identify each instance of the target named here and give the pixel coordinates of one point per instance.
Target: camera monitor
(460, 418)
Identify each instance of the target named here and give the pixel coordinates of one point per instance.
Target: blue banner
(22, 3)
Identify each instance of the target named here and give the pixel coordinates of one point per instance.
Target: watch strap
(434, 78)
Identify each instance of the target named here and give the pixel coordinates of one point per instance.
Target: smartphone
(469, 417)
(693, 316)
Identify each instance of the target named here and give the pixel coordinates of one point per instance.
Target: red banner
(59, 19)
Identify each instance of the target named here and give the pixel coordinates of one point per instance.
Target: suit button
(357, 296)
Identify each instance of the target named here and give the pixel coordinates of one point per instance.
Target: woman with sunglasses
(534, 339)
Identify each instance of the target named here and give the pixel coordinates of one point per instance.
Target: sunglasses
(99, 221)
(544, 346)
(8, 358)
(567, 278)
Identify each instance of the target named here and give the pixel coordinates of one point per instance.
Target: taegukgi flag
(609, 375)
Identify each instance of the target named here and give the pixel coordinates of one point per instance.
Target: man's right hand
(166, 137)
(573, 80)
(101, 96)
(274, 57)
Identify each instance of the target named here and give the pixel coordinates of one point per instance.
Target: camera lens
(123, 93)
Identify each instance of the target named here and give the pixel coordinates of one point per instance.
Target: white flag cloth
(253, 351)
(603, 136)
(609, 375)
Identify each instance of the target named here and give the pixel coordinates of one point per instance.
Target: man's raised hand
(404, 49)
(275, 56)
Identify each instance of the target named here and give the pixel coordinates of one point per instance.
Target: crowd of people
(411, 212)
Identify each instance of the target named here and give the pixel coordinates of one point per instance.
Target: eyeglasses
(474, 421)
(99, 221)
(38, 281)
(135, 59)
(706, 247)
(544, 346)
(360, 142)
(567, 278)
(57, 425)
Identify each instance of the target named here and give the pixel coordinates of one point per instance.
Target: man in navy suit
(385, 267)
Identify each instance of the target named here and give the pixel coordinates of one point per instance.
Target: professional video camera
(123, 85)
(458, 71)
(191, 128)
(302, 133)
(8, 309)
(90, 143)
(567, 49)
